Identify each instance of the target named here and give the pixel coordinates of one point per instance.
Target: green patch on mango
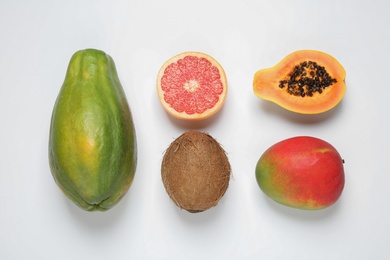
(301, 172)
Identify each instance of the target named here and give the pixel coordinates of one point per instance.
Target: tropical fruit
(302, 172)
(306, 82)
(195, 171)
(92, 143)
(191, 85)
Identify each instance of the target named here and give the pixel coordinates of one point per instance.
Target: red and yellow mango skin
(92, 143)
(301, 172)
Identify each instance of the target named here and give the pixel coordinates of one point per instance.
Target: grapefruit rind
(195, 116)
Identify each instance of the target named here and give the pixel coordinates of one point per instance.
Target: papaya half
(305, 81)
(92, 140)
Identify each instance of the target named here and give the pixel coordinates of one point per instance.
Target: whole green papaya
(92, 143)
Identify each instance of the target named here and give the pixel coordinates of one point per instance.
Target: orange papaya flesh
(305, 81)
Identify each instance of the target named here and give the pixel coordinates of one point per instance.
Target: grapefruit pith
(191, 85)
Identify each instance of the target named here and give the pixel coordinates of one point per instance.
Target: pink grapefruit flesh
(191, 85)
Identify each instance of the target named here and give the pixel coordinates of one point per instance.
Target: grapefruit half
(191, 85)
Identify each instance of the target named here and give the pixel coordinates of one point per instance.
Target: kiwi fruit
(195, 171)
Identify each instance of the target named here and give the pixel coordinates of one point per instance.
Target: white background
(37, 39)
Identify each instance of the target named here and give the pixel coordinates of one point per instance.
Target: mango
(92, 140)
(301, 172)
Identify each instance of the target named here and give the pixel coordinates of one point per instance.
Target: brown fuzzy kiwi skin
(195, 171)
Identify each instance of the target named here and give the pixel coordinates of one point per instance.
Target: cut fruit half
(191, 85)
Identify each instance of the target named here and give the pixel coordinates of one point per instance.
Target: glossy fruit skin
(266, 83)
(92, 142)
(302, 172)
